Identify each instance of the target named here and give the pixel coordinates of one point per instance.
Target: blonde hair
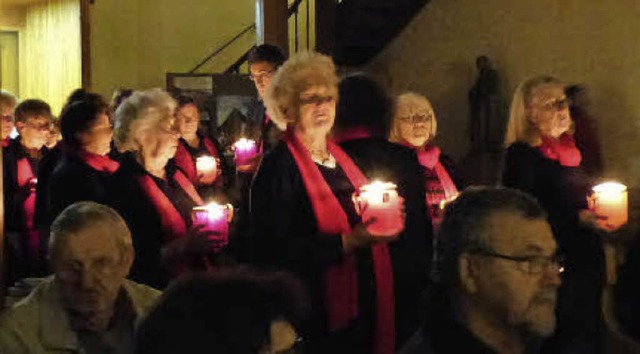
(300, 72)
(140, 111)
(519, 128)
(7, 99)
(414, 103)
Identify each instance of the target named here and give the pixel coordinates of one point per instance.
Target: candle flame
(378, 187)
(244, 144)
(214, 210)
(610, 187)
(206, 163)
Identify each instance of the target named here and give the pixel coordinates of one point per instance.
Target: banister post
(272, 24)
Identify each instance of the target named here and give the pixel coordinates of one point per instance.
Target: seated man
(232, 311)
(87, 306)
(496, 276)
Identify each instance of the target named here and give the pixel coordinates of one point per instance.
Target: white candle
(380, 200)
(206, 164)
(611, 201)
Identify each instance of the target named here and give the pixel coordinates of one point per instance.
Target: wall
(581, 41)
(135, 43)
(12, 17)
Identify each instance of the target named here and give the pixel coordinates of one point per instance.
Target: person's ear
(467, 274)
(127, 260)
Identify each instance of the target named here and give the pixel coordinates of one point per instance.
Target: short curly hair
(300, 72)
(138, 112)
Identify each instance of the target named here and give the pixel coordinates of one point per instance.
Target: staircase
(365, 27)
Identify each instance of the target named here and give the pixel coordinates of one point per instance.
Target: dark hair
(462, 227)
(118, 97)
(227, 312)
(266, 52)
(183, 100)
(363, 103)
(79, 116)
(32, 108)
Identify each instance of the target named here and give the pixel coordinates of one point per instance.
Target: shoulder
(417, 344)
(19, 325)
(142, 296)
(521, 149)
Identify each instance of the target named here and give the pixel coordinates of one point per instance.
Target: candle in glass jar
(215, 217)
(610, 200)
(206, 165)
(380, 200)
(245, 149)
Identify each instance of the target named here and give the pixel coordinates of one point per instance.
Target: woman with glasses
(153, 195)
(414, 125)
(543, 160)
(305, 221)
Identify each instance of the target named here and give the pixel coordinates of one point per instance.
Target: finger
(369, 221)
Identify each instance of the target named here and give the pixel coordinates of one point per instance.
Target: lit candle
(206, 165)
(610, 200)
(245, 149)
(380, 200)
(215, 217)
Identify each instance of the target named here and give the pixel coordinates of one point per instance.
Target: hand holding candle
(207, 169)
(610, 203)
(214, 218)
(379, 201)
(245, 150)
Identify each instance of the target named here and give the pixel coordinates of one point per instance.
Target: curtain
(52, 53)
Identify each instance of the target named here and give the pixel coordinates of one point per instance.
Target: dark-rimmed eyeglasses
(533, 265)
(261, 76)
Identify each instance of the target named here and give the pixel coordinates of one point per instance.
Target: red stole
(99, 162)
(27, 181)
(341, 280)
(5, 142)
(173, 225)
(187, 163)
(563, 150)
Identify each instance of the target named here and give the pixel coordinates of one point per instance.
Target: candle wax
(611, 200)
(380, 201)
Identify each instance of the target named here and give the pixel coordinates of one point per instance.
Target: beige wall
(581, 41)
(12, 17)
(135, 43)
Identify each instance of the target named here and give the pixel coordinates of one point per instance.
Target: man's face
(261, 74)
(90, 267)
(517, 293)
(548, 110)
(34, 131)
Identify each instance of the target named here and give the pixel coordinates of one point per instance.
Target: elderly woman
(152, 194)
(414, 125)
(194, 144)
(543, 160)
(85, 171)
(304, 219)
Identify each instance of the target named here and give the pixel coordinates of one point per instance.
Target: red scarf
(173, 225)
(187, 163)
(563, 150)
(5, 142)
(99, 163)
(26, 179)
(341, 281)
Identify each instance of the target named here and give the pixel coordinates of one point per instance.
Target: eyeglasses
(417, 118)
(261, 76)
(533, 265)
(316, 99)
(557, 104)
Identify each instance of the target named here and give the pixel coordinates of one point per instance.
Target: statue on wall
(484, 106)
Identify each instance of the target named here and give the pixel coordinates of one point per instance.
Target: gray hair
(82, 215)
(463, 226)
(138, 112)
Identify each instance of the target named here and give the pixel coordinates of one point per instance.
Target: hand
(201, 241)
(396, 222)
(251, 165)
(590, 218)
(205, 179)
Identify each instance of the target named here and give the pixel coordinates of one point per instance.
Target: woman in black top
(542, 159)
(152, 195)
(85, 170)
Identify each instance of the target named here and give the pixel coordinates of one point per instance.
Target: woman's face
(97, 139)
(7, 120)
(34, 131)
(160, 141)
(188, 119)
(317, 110)
(548, 110)
(415, 126)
